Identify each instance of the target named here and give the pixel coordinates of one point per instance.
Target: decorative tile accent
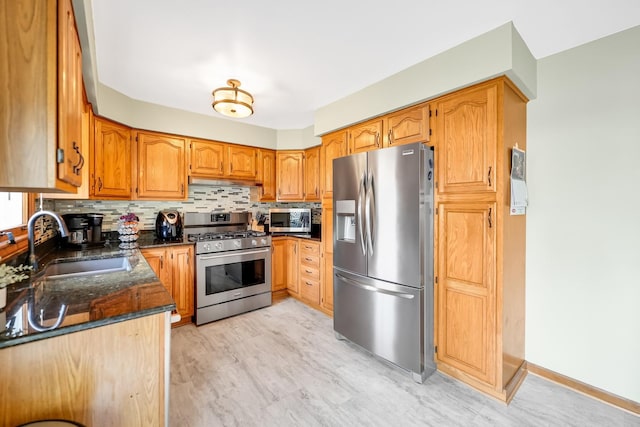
(201, 199)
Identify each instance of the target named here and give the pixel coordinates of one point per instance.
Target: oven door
(227, 276)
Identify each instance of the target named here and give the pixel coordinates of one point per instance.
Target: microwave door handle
(361, 202)
(370, 213)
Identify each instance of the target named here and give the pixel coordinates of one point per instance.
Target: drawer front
(310, 272)
(310, 260)
(308, 248)
(310, 290)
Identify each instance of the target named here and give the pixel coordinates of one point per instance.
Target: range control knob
(206, 247)
(237, 243)
(218, 245)
(254, 242)
(263, 242)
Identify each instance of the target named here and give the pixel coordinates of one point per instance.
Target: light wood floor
(283, 366)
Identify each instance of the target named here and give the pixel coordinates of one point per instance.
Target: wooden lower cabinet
(113, 375)
(278, 265)
(309, 272)
(326, 285)
(174, 267)
(297, 270)
(291, 255)
(466, 280)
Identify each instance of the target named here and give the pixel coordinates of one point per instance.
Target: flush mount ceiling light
(231, 101)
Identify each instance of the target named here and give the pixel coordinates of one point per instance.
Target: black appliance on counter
(169, 225)
(85, 229)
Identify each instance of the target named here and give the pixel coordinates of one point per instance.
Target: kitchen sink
(62, 269)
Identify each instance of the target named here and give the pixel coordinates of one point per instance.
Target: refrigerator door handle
(373, 288)
(370, 213)
(361, 201)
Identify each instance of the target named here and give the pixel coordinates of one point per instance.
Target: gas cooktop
(223, 235)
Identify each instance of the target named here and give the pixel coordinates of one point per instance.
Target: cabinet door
(366, 136)
(162, 170)
(334, 145)
(326, 291)
(183, 284)
(111, 160)
(266, 174)
(407, 126)
(241, 162)
(207, 158)
(466, 288)
(289, 171)
(466, 131)
(312, 174)
(70, 104)
(159, 263)
(278, 265)
(292, 265)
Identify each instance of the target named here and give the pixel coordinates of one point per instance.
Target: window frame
(8, 249)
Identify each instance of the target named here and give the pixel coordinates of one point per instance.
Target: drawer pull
(308, 259)
(308, 271)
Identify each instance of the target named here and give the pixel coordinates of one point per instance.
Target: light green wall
(497, 52)
(583, 222)
(144, 115)
(297, 139)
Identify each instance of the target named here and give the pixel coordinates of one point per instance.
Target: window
(13, 209)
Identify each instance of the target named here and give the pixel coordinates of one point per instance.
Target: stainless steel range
(233, 265)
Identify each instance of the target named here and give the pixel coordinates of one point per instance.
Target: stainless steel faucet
(64, 232)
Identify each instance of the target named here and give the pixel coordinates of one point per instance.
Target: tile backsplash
(201, 199)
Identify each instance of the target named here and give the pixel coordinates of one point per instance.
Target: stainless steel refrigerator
(383, 254)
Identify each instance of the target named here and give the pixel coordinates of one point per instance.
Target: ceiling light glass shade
(233, 102)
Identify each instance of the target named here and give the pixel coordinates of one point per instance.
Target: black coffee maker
(169, 225)
(84, 229)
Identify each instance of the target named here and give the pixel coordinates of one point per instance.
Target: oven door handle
(234, 253)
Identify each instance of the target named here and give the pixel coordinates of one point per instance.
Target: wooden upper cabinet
(334, 145)
(466, 137)
(312, 174)
(111, 160)
(467, 294)
(41, 98)
(407, 126)
(290, 173)
(266, 175)
(70, 104)
(161, 167)
(241, 162)
(207, 158)
(366, 136)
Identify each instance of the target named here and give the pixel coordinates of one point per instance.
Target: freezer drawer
(383, 318)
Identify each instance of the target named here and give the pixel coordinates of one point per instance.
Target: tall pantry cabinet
(480, 247)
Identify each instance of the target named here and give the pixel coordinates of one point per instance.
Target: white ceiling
(295, 56)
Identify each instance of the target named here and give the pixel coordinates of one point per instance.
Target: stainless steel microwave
(290, 220)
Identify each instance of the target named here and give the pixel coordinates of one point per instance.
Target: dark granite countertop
(148, 239)
(34, 305)
(299, 235)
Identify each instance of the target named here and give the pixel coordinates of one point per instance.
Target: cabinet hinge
(60, 155)
(436, 184)
(436, 280)
(136, 190)
(435, 349)
(436, 112)
(429, 112)
(136, 138)
(429, 132)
